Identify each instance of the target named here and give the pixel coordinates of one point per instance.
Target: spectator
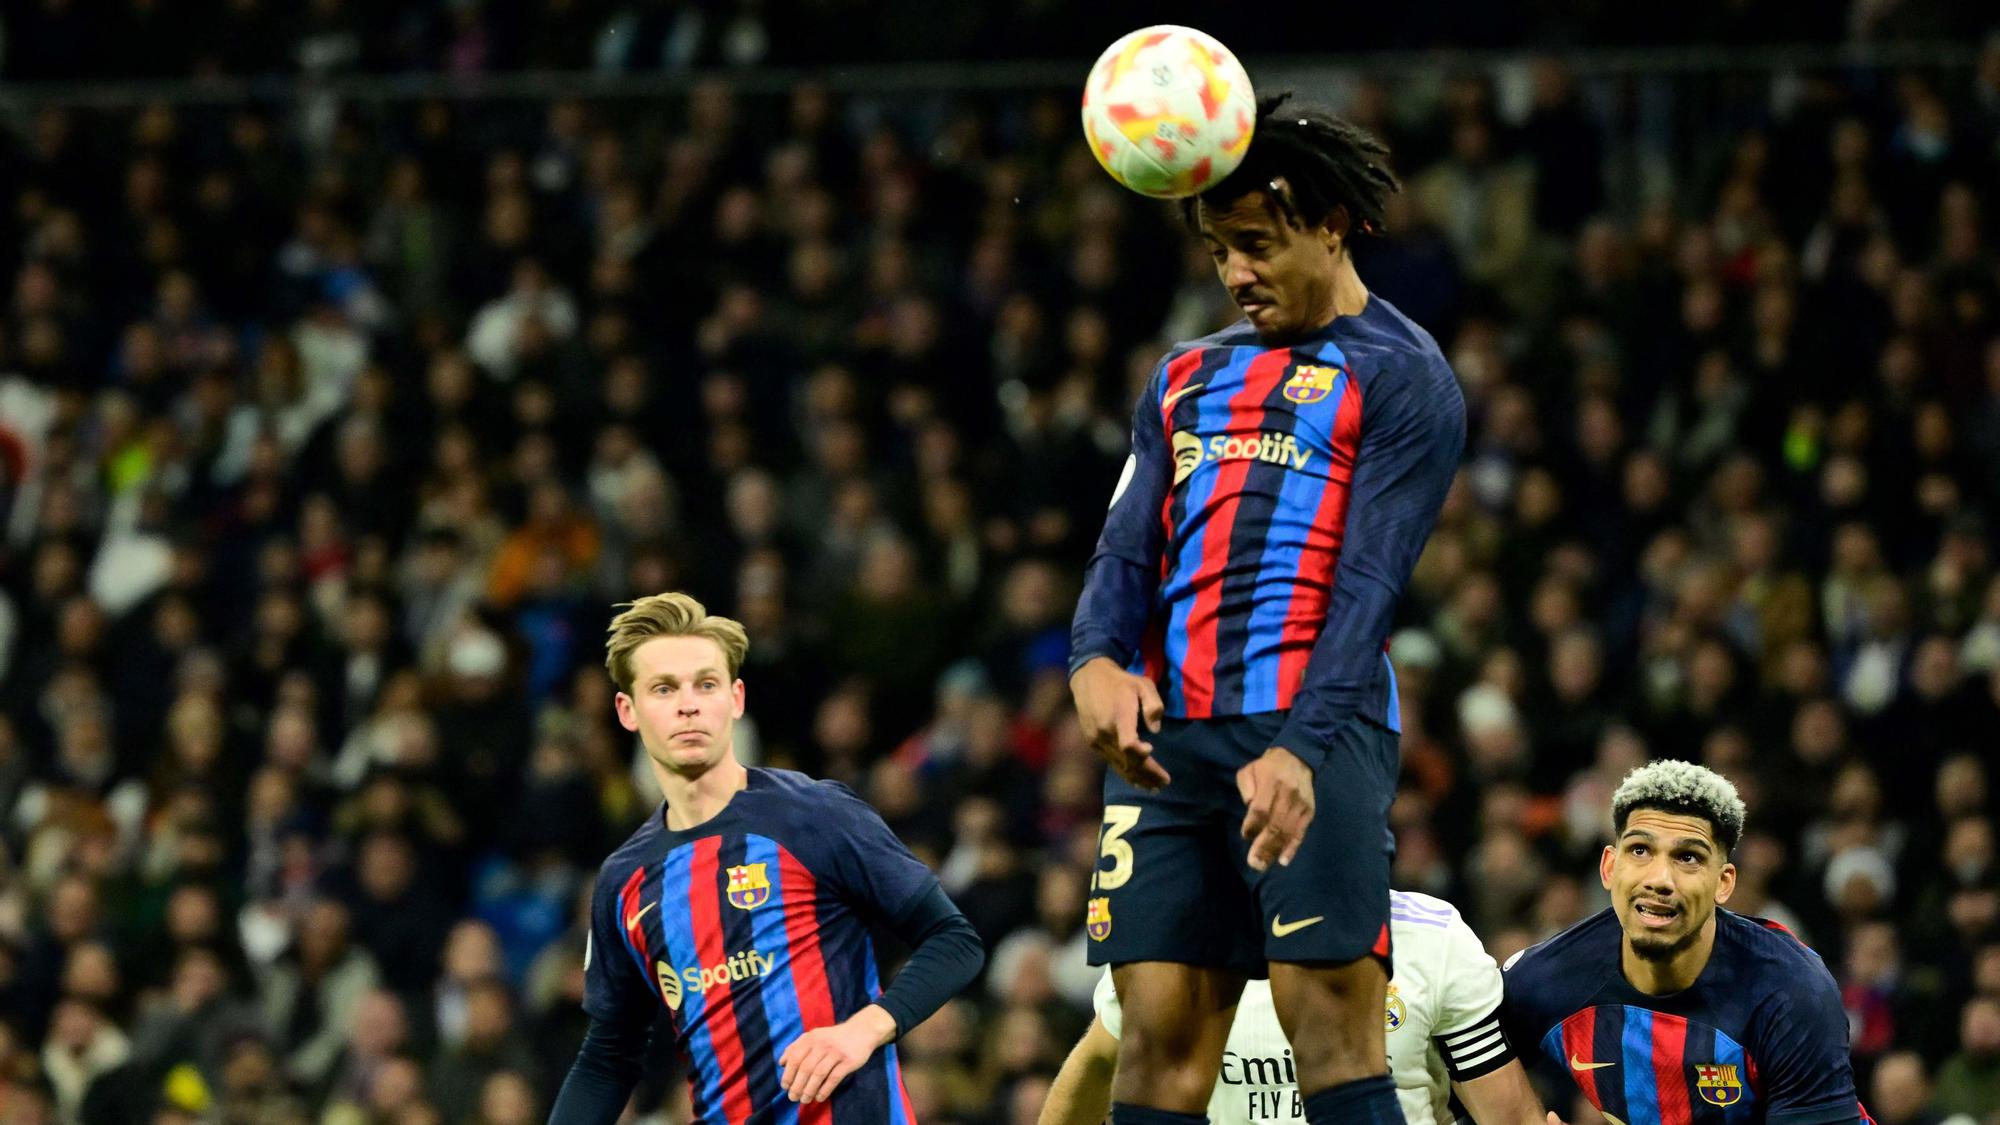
(1969, 1081)
(311, 1000)
(461, 1079)
(396, 916)
(1901, 1091)
(507, 1098)
(471, 956)
(252, 1086)
(82, 1047)
(195, 1022)
(1482, 201)
(506, 330)
(370, 1071)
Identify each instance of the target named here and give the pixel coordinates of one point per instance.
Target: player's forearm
(1081, 1092)
(945, 956)
(1111, 614)
(600, 1081)
(1502, 1097)
(878, 1023)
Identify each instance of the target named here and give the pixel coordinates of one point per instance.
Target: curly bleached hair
(1686, 789)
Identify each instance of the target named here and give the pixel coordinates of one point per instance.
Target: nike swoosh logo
(1167, 403)
(632, 920)
(1575, 1065)
(1281, 928)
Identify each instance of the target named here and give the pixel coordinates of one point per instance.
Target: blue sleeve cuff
(1308, 736)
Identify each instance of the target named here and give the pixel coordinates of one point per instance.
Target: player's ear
(736, 700)
(1726, 886)
(1604, 866)
(627, 717)
(1334, 232)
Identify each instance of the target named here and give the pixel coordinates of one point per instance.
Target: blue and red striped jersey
(1274, 504)
(1760, 1036)
(752, 928)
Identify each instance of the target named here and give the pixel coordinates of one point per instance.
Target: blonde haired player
(744, 907)
(1442, 1020)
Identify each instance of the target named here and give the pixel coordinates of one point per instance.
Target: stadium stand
(330, 430)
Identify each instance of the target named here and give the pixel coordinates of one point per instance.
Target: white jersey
(1442, 1018)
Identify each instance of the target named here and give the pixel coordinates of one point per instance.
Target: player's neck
(694, 801)
(1664, 978)
(1349, 295)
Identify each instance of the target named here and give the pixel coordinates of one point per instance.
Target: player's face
(1666, 875)
(1282, 277)
(683, 705)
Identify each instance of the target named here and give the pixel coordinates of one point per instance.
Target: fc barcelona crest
(1310, 383)
(748, 888)
(1717, 1084)
(1098, 923)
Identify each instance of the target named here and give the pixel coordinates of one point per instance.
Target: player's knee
(1170, 1054)
(1167, 1038)
(1170, 1067)
(1338, 1048)
(1334, 1019)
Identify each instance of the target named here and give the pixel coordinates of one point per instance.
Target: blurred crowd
(330, 434)
(251, 39)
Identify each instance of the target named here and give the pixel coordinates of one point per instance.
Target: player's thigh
(1174, 1010)
(1330, 905)
(1176, 1019)
(1167, 887)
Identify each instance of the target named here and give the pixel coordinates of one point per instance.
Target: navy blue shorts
(1173, 879)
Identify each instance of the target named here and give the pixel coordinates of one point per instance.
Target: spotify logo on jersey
(1270, 447)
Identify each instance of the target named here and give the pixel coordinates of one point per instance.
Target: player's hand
(1278, 788)
(1553, 1119)
(820, 1060)
(1111, 703)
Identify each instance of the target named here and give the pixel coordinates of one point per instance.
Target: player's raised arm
(1118, 590)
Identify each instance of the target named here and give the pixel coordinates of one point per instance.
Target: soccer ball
(1168, 111)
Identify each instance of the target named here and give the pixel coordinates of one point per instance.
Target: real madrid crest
(748, 887)
(1098, 923)
(1310, 383)
(1394, 1012)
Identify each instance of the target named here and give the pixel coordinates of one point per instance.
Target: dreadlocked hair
(1325, 162)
